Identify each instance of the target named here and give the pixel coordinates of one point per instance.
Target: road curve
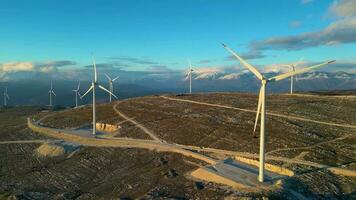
(190, 151)
(144, 129)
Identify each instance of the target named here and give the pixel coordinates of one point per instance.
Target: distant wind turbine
(50, 92)
(262, 100)
(111, 85)
(6, 97)
(293, 68)
(77, 94)
(190, 73)
(93, 86)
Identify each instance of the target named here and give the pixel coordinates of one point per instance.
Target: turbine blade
(115, 78)
(298, 62)
(247, 65)
(7, 96)
(53, 93)
(186, 77)
(258, 112)
(95, 74)
(75, 90)
(286, 65)
(91, 87)
(300, 71)
(78, 86)
(106, 90)
(107, 76)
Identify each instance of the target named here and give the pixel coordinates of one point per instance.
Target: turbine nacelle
(110, 79)
(77, 90)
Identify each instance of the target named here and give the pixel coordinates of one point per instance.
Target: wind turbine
(190, 72)
(50, 92)
(262, 100)
(293, 67)
(6, 97)
(93, 86)
(77, 94)
(111, 85)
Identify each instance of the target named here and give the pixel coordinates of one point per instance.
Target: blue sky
(148, 35)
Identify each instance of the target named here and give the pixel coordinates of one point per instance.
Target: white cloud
(341, 31)
(12, 70)
(306, 1)
(295, 24)
(343, 8)
(17, 66)
(48, 66)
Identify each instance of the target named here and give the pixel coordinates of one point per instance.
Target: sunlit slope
(223, 128)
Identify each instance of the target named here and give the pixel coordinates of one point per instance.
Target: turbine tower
(111, 85)
(77, 94)
(50, 92)
(6, 97)
(190, 72)
(293, 67)
(93, 86)
(262, 100)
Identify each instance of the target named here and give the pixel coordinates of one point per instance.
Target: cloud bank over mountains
(59, 70)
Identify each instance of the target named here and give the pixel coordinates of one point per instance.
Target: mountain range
(35, 91)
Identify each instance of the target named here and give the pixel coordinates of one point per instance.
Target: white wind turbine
(77, 94)
(50, 92)
(293, 68)
(190, 73)
(111, 85)
(262, 100)
(6, 97)
(93, 86)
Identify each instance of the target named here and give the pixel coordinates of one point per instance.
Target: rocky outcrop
(107, 127)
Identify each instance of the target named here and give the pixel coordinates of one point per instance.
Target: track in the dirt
(148, 132)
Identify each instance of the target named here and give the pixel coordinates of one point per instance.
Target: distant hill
(35, 91)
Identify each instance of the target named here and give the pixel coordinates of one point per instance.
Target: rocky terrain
(111, 173)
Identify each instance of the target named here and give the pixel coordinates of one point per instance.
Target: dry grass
(199, 125)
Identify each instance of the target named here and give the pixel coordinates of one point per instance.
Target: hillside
(216, 120)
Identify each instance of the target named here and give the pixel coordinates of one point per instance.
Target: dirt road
(190, 151)
(26, 141)
(148, 132)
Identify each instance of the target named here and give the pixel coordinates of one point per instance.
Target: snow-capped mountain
(231, 76)
(33, 91)
(219, 75)
(247, 82)
(207, 73)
